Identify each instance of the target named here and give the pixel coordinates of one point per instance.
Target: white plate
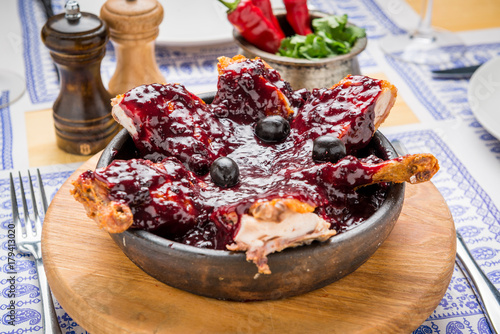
(194, 22)
(484, 96)
(188, 22)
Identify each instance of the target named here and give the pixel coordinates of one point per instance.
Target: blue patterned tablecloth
(6, 133)
(447, 128)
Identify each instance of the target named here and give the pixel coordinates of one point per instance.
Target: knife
(486, 293)
(47, 7)
(455, 73)
(49, 12)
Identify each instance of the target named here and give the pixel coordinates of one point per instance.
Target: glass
(14, 84)
(426, 45)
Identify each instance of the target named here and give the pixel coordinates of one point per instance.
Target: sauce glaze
(173, 195)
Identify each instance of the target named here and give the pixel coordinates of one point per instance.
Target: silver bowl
(304, 73)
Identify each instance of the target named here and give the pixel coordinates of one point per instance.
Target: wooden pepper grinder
(82, 111)
(134, 26)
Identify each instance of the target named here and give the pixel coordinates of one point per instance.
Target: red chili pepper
(267, 10)
(251, 23)
(297, 14)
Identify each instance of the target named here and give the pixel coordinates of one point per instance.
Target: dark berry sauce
(170, 121)
(248, 90)
(346, 111)
(173, 194)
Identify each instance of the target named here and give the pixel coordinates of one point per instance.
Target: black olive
(272, 129)
(328, 148)
(224, 172)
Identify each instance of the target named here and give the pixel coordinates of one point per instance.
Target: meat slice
(138, 193)
(352, 173)
(351, 110)
(271, 226)
(249, 89)
(112, 216)
(412, 168)
(384, 102)
(167, 120)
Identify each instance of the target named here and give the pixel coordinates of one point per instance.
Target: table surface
(428, 115)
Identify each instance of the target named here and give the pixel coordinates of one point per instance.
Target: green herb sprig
(331, 37)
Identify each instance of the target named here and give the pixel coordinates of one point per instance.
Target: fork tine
(42, 191)
(38, 224)
(27, 217)
(31, 243)
(15, 211)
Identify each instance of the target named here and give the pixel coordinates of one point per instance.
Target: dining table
(430, 115)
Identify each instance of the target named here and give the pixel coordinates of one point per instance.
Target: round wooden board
(393, 292)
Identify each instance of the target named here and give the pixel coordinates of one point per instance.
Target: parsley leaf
(331, 37)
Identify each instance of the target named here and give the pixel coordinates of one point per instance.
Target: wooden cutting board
(393, 292)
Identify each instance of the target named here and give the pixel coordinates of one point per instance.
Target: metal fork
(29, 240)
(486, 293)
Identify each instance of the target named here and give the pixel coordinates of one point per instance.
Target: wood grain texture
(133, 27)
(393, 292)
(462, 15)
(42, 147)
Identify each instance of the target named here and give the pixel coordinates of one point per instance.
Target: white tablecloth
(469, 156)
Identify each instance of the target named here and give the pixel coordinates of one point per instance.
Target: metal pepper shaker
(134, 26)
(82, 111)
